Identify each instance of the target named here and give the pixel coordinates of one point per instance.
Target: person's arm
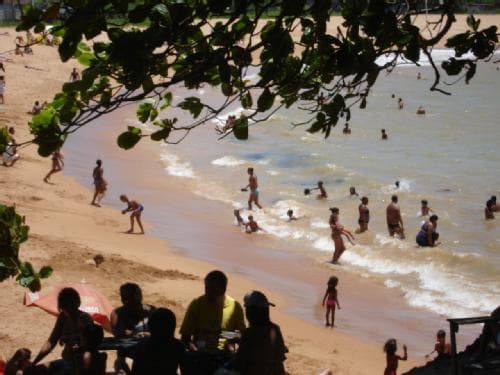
(324, 298)
(405, 356)
(49, 345)
(337, 300)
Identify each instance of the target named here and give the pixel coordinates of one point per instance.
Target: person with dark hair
(428, 236)
(384, 134)
(489, 210)
(211, 313)
(89, 360)
(364, 215)
(251, 226)
(353, 192)
(425, 209)
(262, 348)
(136, 210)
(130, 319)
(442, 348)
(394, 219)
(99, 183)
(331, 300)
(68, 330)
(19, 362)
(253, 185)
(161, 353)
(290, 215)
(390, 349)
(322, 192)
(338, 231)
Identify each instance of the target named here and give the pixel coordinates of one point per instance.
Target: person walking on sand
(136, 210)
(57, 164)
(99, 183)
(74, 76)
(253, 185)
(394, 219)
(428, 236)
(331, 299)
(392, 359)
(337, 232)
(364, 215)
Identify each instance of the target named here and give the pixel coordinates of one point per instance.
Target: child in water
(331, 300)
(390, 349)
(442, 348)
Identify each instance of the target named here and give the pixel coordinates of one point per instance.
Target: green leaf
(246, 101)
(144, 111)
(45, 272)
(128, 139)
(265, 101)
(240, 128)
(193, 105)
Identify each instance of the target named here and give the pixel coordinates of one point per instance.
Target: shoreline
(66, 232)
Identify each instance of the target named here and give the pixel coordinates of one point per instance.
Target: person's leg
(138, 218)
(327, 315)
(131, 230)
(333, 316)
(256, 200)
(250, 202)
(93, 203)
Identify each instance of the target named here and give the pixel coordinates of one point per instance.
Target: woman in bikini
(136, 209)
(331, 300)
(337, 232)
(99, 183)
(57, 164)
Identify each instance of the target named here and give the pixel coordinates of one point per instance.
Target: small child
(89, 360)
(442, 348)
(251, 226)
(425, 209)
(390, 348)
(331, 300)
(19, 362)
(289, 213)
(136, 209)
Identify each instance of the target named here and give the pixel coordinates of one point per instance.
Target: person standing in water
(425, 209)
(337, 232)
(394, 219)
(489, 210)
(401, 104)
(322, 192)
(253, 185)
(99, 183)
(428, 236)
(384, 135)
(136, 209)
(57, 164)
(364, 215)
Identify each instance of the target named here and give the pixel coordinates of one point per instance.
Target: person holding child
(331, 300)
(390, 349)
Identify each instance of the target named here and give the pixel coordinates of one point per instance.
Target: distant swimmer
(322, 192)
(489, 210)
(401, 104)
(428, 236)
(494, 201)
(424, 208)
(238, 217)
(353, 192)
(253, 185)
(420, 110)
(364, 215)
(251, 225)
(136, 210)
(346, 130)
(289, 213)
(396, 184)
(419, 76)
(384, 134)
(337, 232)
(394, 219)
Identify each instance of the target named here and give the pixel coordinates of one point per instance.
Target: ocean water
(450, 157)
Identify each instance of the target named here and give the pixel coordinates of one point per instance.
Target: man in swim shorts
(136, 209)
(364, 215)
(394, 219)
(253, 185)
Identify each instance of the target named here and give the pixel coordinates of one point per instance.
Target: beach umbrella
(92, 302)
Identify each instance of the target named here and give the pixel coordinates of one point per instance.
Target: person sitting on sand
(262, 347)
(136, 210)
(37, 108)
(384, 134)
(20, 361)
(322, 192)
(99, 182)
(68, 331)
(364, 215)
(420, 110)
(424, 208)
(89, 361)
(394, 218)
(489, 210)
(353, 192)
(441, 347)
(290, 215)
(331, 300)
(57, 164)
(251, 225)
(337, 232)
(211, 313)
(10, 155)
(392, 359)
(161, 352)
(428, 236)
(130, 319)
(346, 129)
(238, 217)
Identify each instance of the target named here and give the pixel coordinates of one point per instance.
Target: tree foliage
(159, 45)
(13, 232)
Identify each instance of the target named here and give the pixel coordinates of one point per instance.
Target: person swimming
(289, 213)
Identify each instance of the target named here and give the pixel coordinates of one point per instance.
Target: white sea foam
(317, 223)
(228, 161)
(175, 167)
(272, 172)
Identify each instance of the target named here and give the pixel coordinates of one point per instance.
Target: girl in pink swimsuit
(331, 299)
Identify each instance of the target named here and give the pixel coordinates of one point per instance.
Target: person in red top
(390, 349)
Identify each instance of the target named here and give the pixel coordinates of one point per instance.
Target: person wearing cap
(210, 314)
(262, 348)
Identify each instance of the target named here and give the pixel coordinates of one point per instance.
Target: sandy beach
(66, 232)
